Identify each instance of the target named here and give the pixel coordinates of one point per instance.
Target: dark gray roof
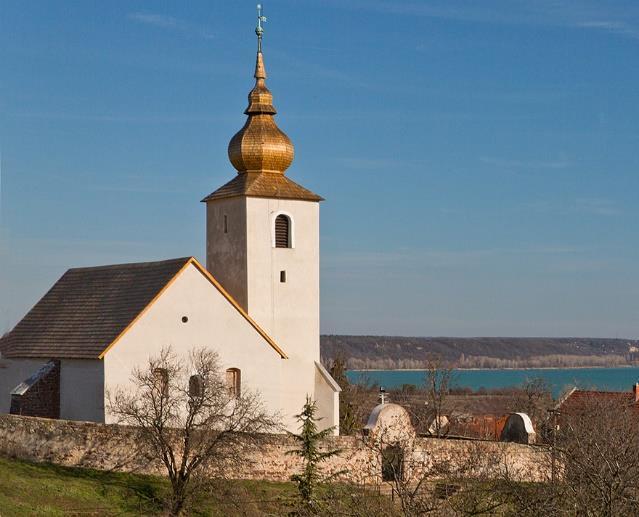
(87, 309)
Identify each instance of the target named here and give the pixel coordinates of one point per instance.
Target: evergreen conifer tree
(310, 450)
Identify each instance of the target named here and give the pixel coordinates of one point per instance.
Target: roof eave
(316, 198)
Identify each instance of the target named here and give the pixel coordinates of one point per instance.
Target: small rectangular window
(226, 224)
(282, 276)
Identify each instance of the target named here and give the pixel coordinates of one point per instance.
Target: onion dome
(260, 151)
(260, 146)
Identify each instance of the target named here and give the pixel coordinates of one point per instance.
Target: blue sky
(478, 159)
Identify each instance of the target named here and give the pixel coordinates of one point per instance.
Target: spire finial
(259, 30)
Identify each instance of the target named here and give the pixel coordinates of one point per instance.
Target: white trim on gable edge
(328, 377)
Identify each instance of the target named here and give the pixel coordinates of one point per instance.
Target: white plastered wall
(327, 398)
(81, 386)
(288, 311)
(212, 323)
(12, 373)
(82, 389)
(226, 251)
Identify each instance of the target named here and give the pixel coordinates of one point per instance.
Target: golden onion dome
(260, 146)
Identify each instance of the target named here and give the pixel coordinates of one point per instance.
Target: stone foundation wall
(113, 447)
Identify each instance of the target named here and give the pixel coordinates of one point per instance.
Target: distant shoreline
(495, 369)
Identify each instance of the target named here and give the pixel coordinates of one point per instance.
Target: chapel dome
(260, 146)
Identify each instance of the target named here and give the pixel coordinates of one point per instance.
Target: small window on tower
(282, 276)
(282, 231)
(226, 224)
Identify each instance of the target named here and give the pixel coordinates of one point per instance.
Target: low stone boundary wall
(114, 447)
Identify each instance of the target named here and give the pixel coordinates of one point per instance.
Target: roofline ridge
(128, 264)
(604, 392)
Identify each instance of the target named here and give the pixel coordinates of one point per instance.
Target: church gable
(239, 309)
(192, 310)
(88, 310)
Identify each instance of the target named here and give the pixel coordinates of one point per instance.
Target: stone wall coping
(272, 438)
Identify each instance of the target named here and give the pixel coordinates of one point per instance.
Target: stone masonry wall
(113, 447)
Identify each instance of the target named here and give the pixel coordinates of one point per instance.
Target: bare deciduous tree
(595, 459)
(190, 421)
(438, 380)
(598, 446)
(424, 477)
(534, 398)
(350, 421)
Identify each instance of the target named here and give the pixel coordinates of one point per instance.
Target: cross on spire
(259, 30)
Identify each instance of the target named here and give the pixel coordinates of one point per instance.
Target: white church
(256, 302)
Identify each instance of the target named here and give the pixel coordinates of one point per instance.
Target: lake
(609, 379)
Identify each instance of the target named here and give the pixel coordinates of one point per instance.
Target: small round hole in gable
(185, 319)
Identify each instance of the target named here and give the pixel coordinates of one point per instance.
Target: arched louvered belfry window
(282, 231)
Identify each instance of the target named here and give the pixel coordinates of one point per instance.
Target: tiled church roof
(87, 309)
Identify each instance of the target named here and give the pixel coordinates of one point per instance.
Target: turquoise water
(611, 379)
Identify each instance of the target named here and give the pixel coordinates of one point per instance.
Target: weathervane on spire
(259, 30)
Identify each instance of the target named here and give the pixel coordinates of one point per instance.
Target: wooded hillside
(391, 352)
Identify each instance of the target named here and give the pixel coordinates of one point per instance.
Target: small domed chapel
(256, 302)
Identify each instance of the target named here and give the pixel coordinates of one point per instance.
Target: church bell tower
(262, 233)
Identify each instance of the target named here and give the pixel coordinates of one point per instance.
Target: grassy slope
(44, 489)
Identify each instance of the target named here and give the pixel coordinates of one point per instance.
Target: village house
(576, 399)
(256, 303)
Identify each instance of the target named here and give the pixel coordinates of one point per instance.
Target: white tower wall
(248, 265)
(226, 246)
(288, 311)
